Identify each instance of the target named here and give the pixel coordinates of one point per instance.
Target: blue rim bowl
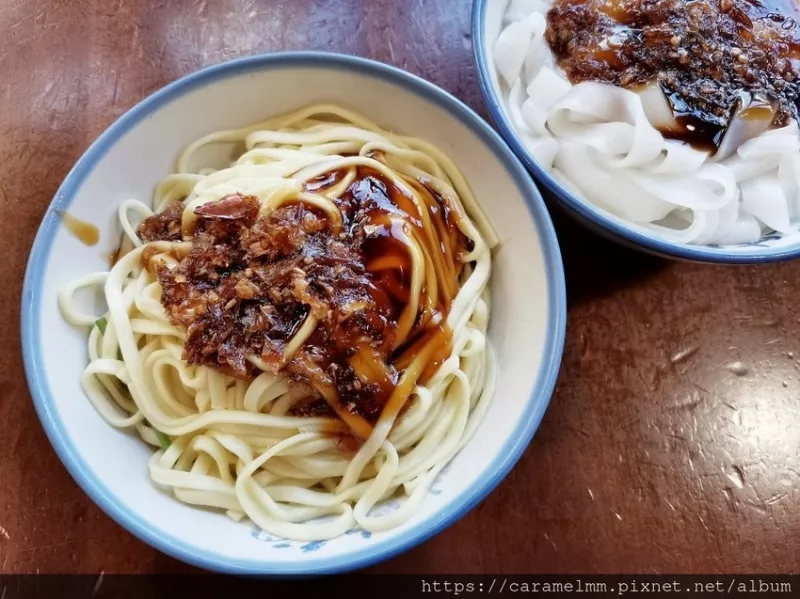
(100, 493)
(591, 217)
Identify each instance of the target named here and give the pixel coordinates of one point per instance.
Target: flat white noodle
(515, 100)
(744, 229)
(601, 115)
(742, 128)
(546, 89)
(601, 142)
(656, 106)
(511, 47)
(233, 444)
(789, 179)
(521, 9)
(581, 165)
(543, 149)
(763, 198)
(535, 57)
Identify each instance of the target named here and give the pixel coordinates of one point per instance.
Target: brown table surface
(672, 443)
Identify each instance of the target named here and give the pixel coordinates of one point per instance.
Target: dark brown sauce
(324, 181)
(386, 259)
(616, 9)
(250, 282)
(114, 255)
(783, 13)
(705, 55)
(119, 252)
(86, 233)
(691, 127)
(347, 444)
(441, 335)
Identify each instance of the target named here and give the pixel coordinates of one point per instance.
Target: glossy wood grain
(672, 443)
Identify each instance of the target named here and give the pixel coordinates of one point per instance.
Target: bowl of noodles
(670, 127)
(273, 326)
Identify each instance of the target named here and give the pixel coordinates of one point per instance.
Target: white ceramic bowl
(527, 326)
(487, 23)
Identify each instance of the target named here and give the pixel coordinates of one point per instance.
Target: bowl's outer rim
(202, 557)
(608, 226)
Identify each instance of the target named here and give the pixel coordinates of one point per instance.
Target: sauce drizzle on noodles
(326, 296)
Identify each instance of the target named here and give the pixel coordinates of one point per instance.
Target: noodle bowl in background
(604, 144)
(229, 432)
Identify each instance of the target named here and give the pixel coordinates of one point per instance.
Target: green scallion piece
(101, 323)
(163, 439)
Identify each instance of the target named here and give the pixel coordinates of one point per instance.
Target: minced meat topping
(706, 55)
(249, 282)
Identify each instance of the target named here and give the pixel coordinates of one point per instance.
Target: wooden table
(672, 443)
